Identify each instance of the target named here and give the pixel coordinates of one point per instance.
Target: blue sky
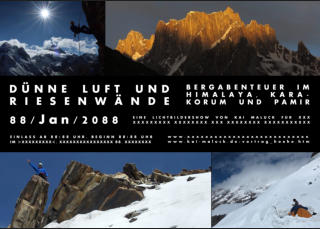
(16, 172)
(241, 168)
(20, 20)
(292, 20)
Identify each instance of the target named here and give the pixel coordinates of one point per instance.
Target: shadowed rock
(190, 179)
(95, 15)
(216, 219)
(219, 43)
(132, 172)
(185, 172)
(83, 190)
(160, 177)
(117, 64)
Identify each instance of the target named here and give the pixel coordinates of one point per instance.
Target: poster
(167, 114)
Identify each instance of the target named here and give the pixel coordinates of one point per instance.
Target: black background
(177, 97)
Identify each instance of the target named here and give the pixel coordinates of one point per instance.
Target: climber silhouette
(79, 29)
(39, 170)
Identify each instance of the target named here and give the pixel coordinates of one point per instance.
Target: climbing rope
(79, 35)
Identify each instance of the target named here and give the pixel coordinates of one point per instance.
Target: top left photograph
(52, 38)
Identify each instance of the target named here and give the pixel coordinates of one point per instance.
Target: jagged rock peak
(5, 45)
(31, 204)
(304, 54)
(135, 45)
(132, 172)
(228, 10)
(195, 33)
(134, 33)
(201, 17)
(302, 48)
(82, 190)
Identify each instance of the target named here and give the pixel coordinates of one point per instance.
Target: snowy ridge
(175, 204)
(270, 209)
(177, 64)
(224, 36)
(238, 194)
(283, 61)
(224, 209)
(16, 61)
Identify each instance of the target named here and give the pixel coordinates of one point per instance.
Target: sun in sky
(45, 13)
(44, 10)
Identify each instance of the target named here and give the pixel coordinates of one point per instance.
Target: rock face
(159, 177)
(220, 43)
(232, 198)
(31, 204)
(186, 172)
(184, 42)
(83, 190)
(135, 45)
(121, 65)
(95, 15)
(113, 62)
(132, 172)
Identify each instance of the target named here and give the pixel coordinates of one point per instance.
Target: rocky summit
(219, 43)
(82, 190)
(31, 204)
(135, 46)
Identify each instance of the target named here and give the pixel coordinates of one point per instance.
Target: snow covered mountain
(179, 203)
(219, 43)
(225, 201)
(270, 208)
(15, 61)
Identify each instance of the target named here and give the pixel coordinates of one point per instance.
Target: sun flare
(45, 13)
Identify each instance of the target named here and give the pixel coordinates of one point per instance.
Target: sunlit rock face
(187, 42)
(135, 45)
(219, 43)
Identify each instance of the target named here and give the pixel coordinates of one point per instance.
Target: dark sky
(20, 20)
(292, 20)
(16, 172)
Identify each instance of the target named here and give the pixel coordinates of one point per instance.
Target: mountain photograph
(216, 38)
(49, 38)
(265, 190)
(106, 190)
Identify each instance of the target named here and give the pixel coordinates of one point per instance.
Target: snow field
(176, 204)
(270, 209)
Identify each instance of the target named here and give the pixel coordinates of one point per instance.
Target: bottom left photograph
(105, 190)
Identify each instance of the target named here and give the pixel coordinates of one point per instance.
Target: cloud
(70, 46)
(86, 45)
(256, 169)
